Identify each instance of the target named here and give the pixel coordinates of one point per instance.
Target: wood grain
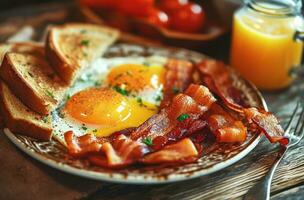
(231, 183)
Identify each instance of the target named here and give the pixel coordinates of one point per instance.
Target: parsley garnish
(139, 100)
(85, 42)
(95, 130)
(148, 141)
(45, 119)
(121, 91)
(49, 93)
(31, 75)
(182, 117)
(84, 128)
(97, 83)
(158, 98)
(68, 96)
(175, 90)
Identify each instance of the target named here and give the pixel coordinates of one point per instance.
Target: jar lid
(276, 7)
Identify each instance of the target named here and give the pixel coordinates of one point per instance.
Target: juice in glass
(264, 49)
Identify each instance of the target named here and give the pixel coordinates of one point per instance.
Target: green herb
(148, 141)
(45, 119)
(97, 83)
(175, 90)
(84, 128)
(121, 91)
(31, 75)
(68, 96)
(158, 98)
(139, 100)
(182, 117)
(95, 130)
(49, 93)
(61, 115)
(85, 42)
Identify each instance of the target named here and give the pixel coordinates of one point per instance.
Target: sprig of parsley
(121, 91)
(148, 141)
(182, 117)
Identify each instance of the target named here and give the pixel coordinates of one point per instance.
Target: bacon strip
(181, 152)
(164, 127)
(177, 78)
(268, 124)
(218, 79)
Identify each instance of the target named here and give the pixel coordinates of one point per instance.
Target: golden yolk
(98, 106)
(108, 109)
(135, 77)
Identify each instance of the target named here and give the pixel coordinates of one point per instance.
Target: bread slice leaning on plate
(34, 78)
(20, 119)
(31, 79)
(72, 47)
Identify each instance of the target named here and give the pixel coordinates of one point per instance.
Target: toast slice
(22, 47)
(72, 47)
(20, 119)
(33, 81)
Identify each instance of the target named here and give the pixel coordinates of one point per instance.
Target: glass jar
(267, 42)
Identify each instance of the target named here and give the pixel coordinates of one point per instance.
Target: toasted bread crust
(17, 117)
(68, 66)
(22, 88)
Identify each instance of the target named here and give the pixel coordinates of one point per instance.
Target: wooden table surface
(22, 177)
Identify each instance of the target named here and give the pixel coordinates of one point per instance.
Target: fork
(261, 190)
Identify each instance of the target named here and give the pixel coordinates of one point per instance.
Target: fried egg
(111, 95)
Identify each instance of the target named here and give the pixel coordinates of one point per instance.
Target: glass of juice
(267, 42)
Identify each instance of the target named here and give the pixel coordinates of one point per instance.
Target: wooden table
(21, 177)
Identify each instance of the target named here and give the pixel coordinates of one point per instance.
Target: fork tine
(288, 127)
(298, 130)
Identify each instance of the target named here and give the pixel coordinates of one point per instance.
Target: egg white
(93, 76)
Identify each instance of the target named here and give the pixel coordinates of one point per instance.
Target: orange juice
(263, 49)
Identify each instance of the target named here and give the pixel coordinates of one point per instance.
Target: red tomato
(158, 18)
(136, 8)
(190, 18)
(170, 6)
(107, 4)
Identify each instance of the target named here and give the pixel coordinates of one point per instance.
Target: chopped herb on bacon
(85, 42)
(148, 141)
(121, 91)
(182, 117)
(95, 130)
(84, 128)
(175, 90)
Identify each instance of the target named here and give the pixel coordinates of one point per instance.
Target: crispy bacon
(177, 78)
(224, 126)
(161, 128)
(180, 152)
(267, 123)
(218, 79)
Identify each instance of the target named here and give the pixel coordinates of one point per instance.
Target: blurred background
(10, 4)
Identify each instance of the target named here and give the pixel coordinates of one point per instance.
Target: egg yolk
(108, 110)
(135, 77)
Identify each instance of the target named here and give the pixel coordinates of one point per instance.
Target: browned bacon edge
(217, 78)
(177, 79)
(173, 123)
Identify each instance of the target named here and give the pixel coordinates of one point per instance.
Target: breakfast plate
(215, 157)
